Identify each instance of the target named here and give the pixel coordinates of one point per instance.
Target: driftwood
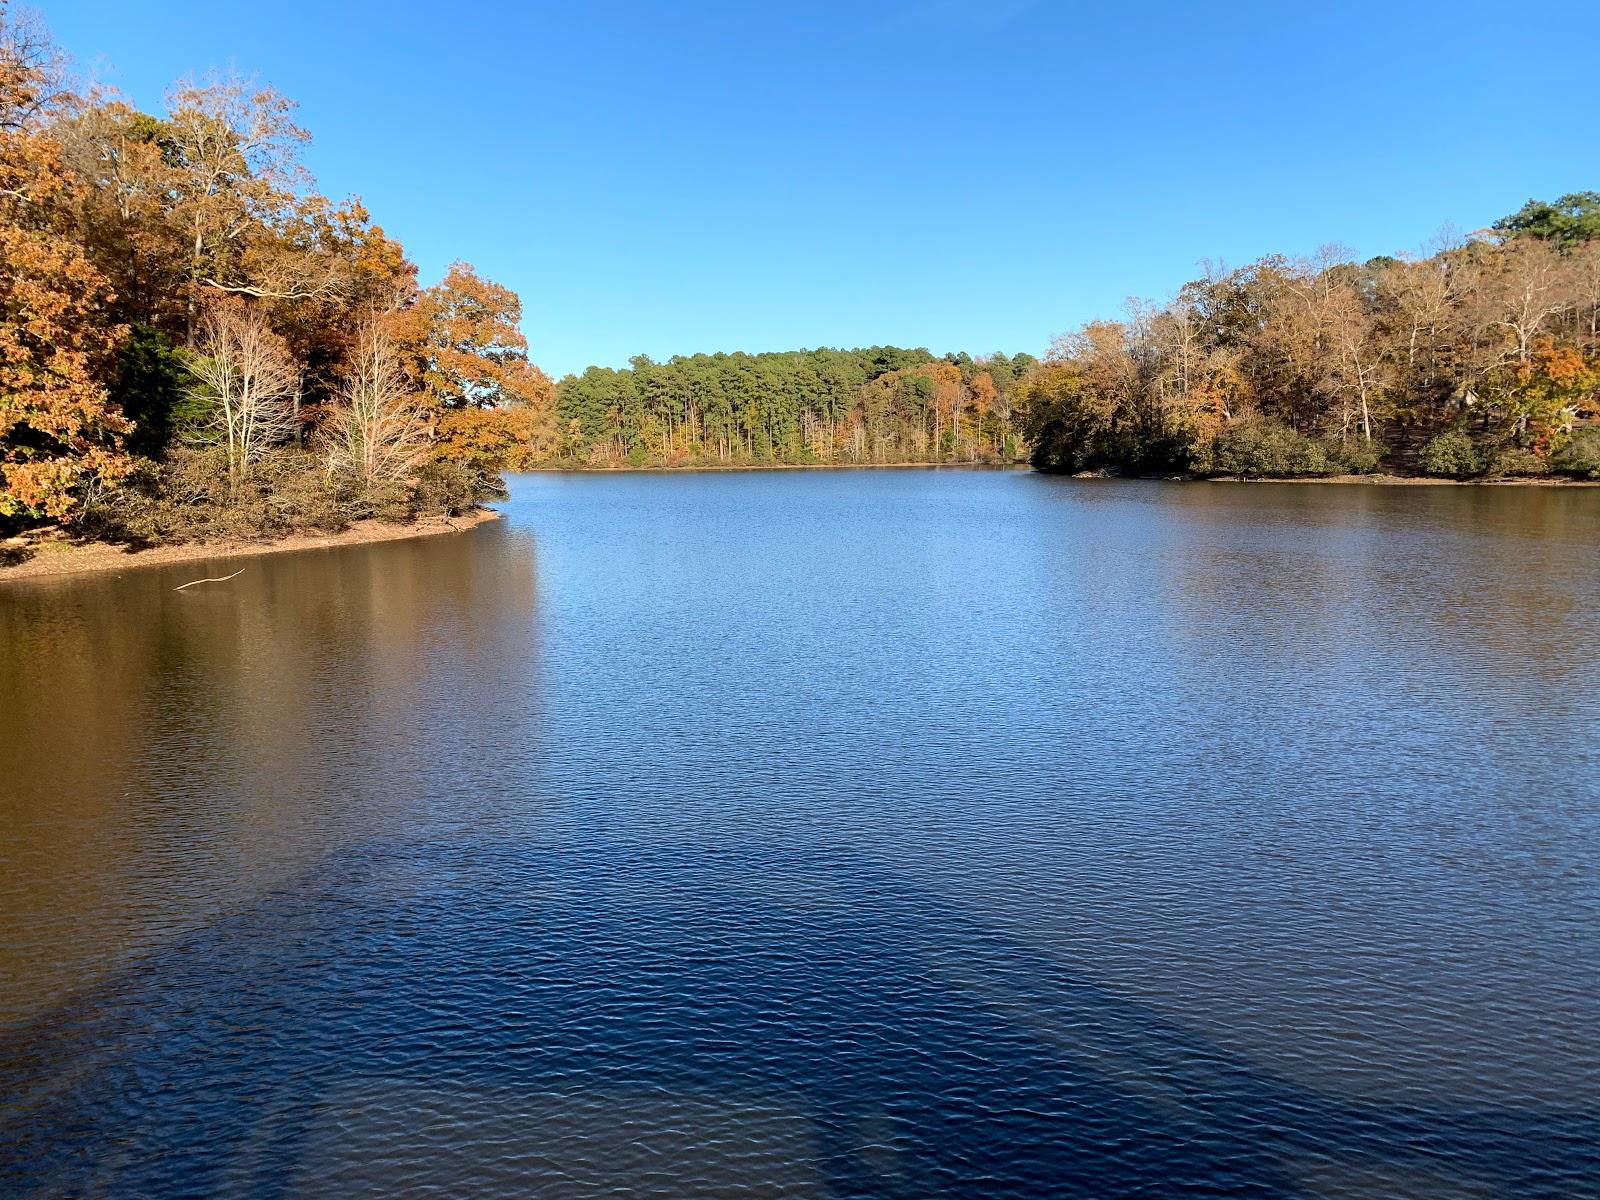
(214, 579)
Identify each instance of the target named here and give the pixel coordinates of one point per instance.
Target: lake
(849, 834)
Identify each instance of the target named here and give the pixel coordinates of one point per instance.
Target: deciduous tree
(246, 377)
(380, 430)
(59, 435)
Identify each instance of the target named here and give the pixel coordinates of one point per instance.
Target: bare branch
(213, 579)
(264, 293)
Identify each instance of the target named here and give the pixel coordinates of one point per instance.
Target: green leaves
(1569, 219)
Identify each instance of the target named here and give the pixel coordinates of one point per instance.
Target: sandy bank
(59, 555)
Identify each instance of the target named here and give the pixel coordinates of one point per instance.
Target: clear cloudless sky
(663, 178)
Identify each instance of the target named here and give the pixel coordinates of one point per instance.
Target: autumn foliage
(173, 281)
(881, 404)
(194, 340)
(58, 431)
(1480, 358)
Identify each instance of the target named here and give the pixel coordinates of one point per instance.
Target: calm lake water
(859, 834)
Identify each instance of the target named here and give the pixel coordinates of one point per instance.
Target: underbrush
(190, 497)
(1261, 448)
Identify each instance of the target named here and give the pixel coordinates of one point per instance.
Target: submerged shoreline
(63, 557)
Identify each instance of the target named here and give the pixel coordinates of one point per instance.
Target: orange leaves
(1554, 386)
(57, 425)
(1559, 366)
(474, 365)
(202, 226)
(470, 352)
(983, 392)
(496, 439)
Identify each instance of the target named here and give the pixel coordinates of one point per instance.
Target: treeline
(877, 405)
(1482, 358)
(194, 341)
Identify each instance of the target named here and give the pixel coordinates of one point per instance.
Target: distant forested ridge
(1481, 358)
(877, 405)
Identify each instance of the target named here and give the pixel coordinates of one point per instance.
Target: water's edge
(100, 557)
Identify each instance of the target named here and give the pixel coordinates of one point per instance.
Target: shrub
(1580, 457)
(190, 498)
(1356, 456)
(447, 487)
(1514, 460)
(1453, 455)
(295, 491)
(1260, 447)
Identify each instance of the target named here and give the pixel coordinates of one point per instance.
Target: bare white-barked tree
(247, 377)
(380, 430)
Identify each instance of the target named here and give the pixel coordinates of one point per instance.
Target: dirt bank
(58, 554)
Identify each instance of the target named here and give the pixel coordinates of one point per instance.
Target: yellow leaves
(42, 487)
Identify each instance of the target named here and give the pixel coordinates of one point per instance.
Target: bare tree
(240, 150)
(1358, 373)
(1534, 286)
(381, 431)
(1417, 294)
(33, 70)
(246, 374)
(1586, 280)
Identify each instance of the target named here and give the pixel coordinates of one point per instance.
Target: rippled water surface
(901, 834)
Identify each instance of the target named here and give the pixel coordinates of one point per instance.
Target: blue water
(890, 833)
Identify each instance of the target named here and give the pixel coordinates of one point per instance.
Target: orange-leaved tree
(470, 359)
(59, 434)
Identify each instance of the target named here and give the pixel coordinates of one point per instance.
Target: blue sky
(667, 178)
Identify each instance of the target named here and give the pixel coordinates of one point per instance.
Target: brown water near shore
(61, 556)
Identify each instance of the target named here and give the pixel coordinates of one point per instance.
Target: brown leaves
(202, 225)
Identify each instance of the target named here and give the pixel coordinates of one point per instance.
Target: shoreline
(1400, 480)
(1368, 480)
(695, 468)
(58, 557)
(1375, 480)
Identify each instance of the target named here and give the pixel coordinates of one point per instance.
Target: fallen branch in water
(216, 579)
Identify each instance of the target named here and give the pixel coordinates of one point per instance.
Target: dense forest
(879, 405)
(1481, 358)
(195, 341)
